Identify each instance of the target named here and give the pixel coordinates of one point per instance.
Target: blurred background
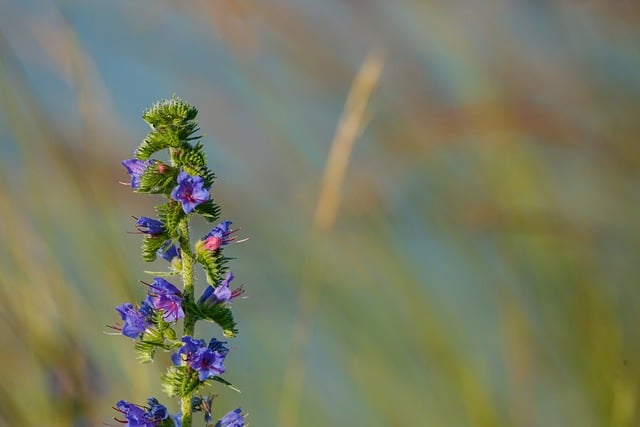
(469, 256)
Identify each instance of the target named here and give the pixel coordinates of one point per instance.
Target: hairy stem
(188, 298)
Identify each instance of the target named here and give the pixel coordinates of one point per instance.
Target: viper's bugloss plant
(185, 184)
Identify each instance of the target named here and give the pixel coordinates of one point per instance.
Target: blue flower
(208, 363)
(189, 347)
(190, 192)
(203, 404)
(218, 236)
(169, 252)
(135, 320)
(138, 416)
(150, 226)
(135, 168)
(156, 410)
(206, 360)
(221, 293)
(232, 419)
(166, 297)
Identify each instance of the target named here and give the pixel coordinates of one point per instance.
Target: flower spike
(171, 163)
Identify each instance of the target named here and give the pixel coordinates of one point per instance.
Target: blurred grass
(482, 267)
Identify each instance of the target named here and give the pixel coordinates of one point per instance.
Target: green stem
(188, 262)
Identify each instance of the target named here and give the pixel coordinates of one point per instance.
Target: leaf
(158, 179)
(171, 214)
(209, 210)
(179, 381)
(152, 143)
(225, 382)
(220, 314)
(173, 120)
(151, 244)
(193, 159)
(214, 264)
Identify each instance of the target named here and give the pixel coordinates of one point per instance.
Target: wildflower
(169, 252)
(218, 236)
(138, 416)
(232, 419)
(189, 347)
(221, 293)
(156, 410)
(207, 361)
(149, 226)
(135, 320)
(203, 404)
(166, 297)
(190, 192)
(135, 168)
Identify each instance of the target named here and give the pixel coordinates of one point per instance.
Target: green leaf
(222, 315)
(193, 160)
(145, 351)
(225, 382)
(152, 143)
(209, 210)
(180, 381)
(151, 244)
(173, 120)
(146, 345)
(162, 273)
(213, 262)
(170, 214)
(158, 179)
(172, 380)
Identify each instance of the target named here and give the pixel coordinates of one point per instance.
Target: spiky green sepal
(158, 178)
(219, 314)
(171, 214)
(213, 263)
(160, 335)
(193, 160)
(181, 381)
(222, 315)
(209, 210)
(172, 123)
(151, 244)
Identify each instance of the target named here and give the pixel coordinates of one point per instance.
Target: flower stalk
(185, 185)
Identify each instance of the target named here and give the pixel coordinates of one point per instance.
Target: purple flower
(189, 347)
(150, 226)
(208, 363)
(138, 416)
(156, 410)
(190, 192)
(166, 297)
(221, 293)
(232, 419)
(203, 404)
(206, 360)
(135, 168)
(220, 235)
(169, 251)
(135, 320)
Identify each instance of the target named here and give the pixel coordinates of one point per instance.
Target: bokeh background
(482, 265)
